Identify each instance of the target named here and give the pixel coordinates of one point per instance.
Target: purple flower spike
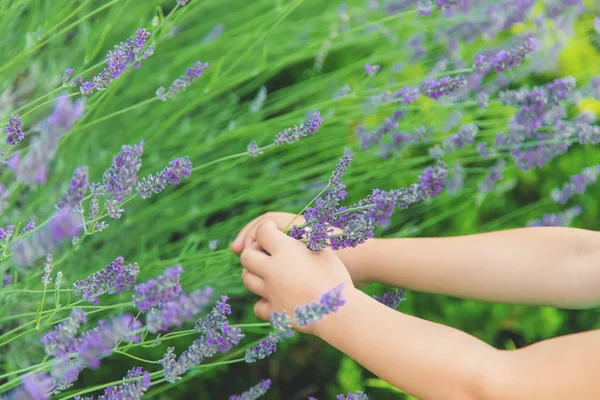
(170, 175)
(184, 81)
(98, 342)
(216, 336)
(121, 177)
(38, 386)
(133, 389)
(14, 132)
(123, 56)
(560, 219)
(254, 392)
(308, 127)
(61, 341)
(253, 149)
(263, 349)
(176, 312)
(391, 299)
(445, 86)
(153, 293)
(353, 396)
(66, 113)
(504, 60)
(115, 278)
(372, 69)
(77, 187)
(66, 223)
(331, 302)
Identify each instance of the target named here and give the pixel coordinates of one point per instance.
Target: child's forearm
(432, 361)
(538, 266)
(424, 359)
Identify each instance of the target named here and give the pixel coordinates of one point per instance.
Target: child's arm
(537, 266)
(425, 359)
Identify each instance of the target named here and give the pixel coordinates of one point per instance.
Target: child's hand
(283, 220)
(291, 276)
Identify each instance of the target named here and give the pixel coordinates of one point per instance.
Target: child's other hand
(291, 275)
(247, 236)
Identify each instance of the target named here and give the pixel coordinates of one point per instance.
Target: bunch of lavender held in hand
(358, 221)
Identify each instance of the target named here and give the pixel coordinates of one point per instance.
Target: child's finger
(236, 246)
(253, 283)
(254, 259)
(262, 309)
(270, 238)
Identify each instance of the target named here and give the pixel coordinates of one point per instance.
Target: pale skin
(531, 266)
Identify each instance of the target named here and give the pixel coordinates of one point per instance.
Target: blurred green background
(270, 43)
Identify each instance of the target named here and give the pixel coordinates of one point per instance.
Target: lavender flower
(504, 60)
(353, 396)
(331, 302)
(308, 127)
(77, 187)
(129, 390)
(66, 223)
(48, 267)
(29, 226)
(424, 7)
(98, 342)
(61, 341)
(7, 280)
(115, 278)
(576, 185)
(281, 324)
(38, 387)
(6, 232)
(121, 177)
(216, 316)
(358, 222)
(254, 392)
(67, 75)
(14, 132)
(391, 299)
(483, 100)
(457, 181)
(184, 81)
(560, 219)
(66, 113)
(182, 3)
(372, 69)
(465, 136)
(445, 86)
(263, 349)
(152, 293)
(213, 244)
(170, 175)
(218, 337)
(123, 56)
(113, 209)
(597, 25)
(176, 312)
(492, 177)
(253, 149)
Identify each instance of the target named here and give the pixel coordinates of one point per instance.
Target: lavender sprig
(153, 293)
(254, 392)
(115, 278)
(172, 174)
